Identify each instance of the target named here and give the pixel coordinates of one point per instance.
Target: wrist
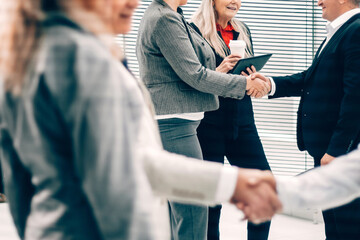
(248, 82)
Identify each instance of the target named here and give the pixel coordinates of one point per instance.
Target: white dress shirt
(324, 187)
(332, 27)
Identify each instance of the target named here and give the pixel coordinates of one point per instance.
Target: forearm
(324, 187)
(188, 180)
(289, 86)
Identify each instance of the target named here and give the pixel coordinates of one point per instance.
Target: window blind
(290, 30)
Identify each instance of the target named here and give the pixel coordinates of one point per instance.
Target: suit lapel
(319, 50)
(330, 45)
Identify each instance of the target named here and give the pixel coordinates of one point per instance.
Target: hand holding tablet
(258, 62)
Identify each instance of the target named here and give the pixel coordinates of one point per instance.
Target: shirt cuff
(273, 87)
(227, 184)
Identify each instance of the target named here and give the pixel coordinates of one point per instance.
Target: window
(291, 31)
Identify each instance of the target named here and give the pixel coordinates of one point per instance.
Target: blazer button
(304, 114)
(202, 43)
(307, 93)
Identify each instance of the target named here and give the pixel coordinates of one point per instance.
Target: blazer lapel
(330, 45)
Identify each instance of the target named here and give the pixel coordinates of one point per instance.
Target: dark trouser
(342, 223)
(246, 151)
(1, 181)
(188, 222)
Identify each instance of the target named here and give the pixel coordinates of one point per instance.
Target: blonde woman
(81, 154)
(229, 131)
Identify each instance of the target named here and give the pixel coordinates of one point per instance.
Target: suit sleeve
(348, 126)
(289, 86)
(173, 41)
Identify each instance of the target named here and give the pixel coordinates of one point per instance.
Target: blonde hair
(19, 37)
(205, 19)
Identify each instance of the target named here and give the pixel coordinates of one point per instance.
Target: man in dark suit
(329, 112)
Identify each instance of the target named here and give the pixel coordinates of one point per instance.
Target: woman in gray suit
(80, 150)
(178, 67)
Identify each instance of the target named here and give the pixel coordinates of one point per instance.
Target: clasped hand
(255, 194)
(257, 85)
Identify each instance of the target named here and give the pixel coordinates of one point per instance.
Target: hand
(255, 195)
(250, 71)
(326, 159)
(257, 85)
(228, 63)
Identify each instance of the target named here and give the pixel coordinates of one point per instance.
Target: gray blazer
(177, 65)
(80, 150)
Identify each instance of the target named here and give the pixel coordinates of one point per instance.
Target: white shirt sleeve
(273, 87)
(324, 187)
(227, 184)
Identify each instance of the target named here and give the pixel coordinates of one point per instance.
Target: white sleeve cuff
(283, 191)
(227, 184)
(273, 87)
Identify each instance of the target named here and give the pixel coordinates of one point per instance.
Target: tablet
(258, 62)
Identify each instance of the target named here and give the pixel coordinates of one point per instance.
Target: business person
(229, 131)
(178, 66)
(329, 115)
(81, 152)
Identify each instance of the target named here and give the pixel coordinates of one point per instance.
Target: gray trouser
(188, 222)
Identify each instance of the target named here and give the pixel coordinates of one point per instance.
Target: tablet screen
(258, 62)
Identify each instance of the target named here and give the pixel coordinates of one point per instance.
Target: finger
(250, 92)
(244, 74)
(269, 178)
(265, 89)
(268, 87)
(273, 199)
(234, 56)
(254, 93)
(249, 70)
(259, 95)
(253, 68)
(260, 76)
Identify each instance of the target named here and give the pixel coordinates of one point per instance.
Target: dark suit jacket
(329, 110)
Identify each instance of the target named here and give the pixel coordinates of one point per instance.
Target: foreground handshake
(255, 194)
(257, 85)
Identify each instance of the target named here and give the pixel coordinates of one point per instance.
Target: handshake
(255, 194)
(257, 85)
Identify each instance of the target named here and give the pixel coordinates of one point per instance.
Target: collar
(59, 18)
(333, 26)
(228, 28)
(162, 2)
